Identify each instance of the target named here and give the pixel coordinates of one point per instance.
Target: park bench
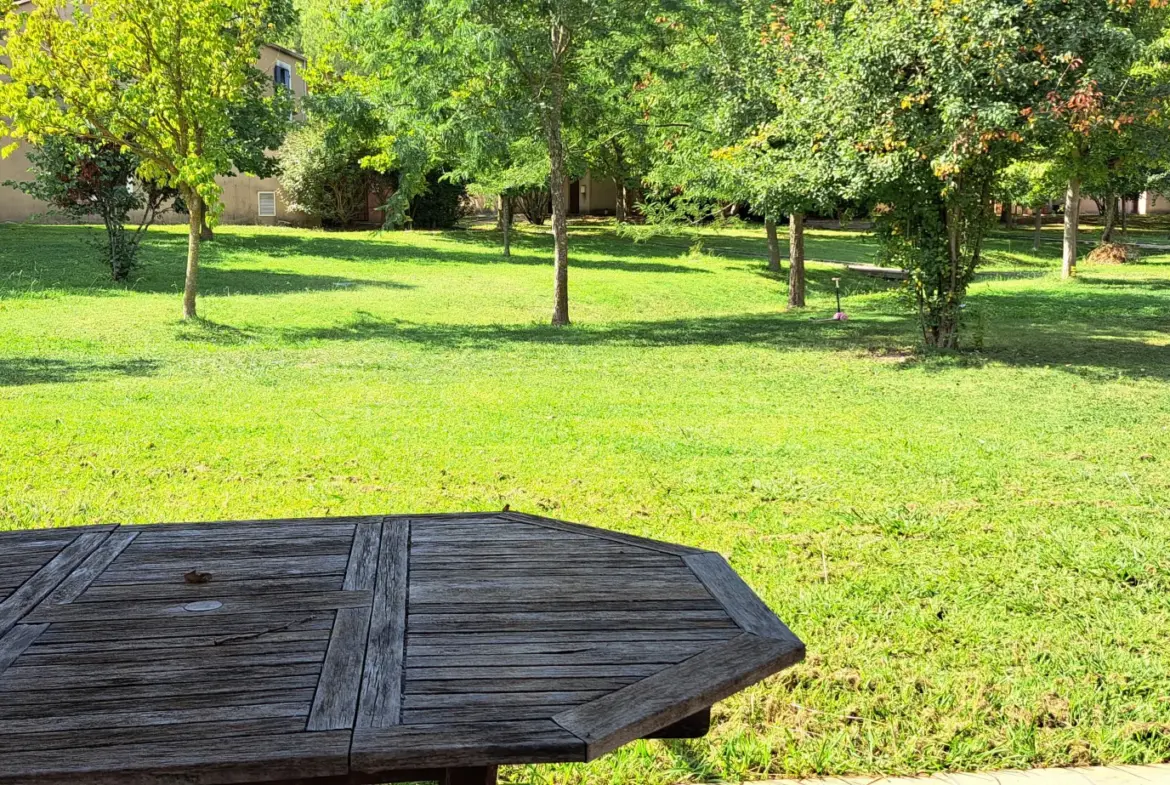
(359, 650)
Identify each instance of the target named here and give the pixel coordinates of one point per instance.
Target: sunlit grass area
(975, 547)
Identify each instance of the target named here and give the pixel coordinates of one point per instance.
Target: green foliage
(1031, 183)
(322, 173)
(83, 178)
(441, 205)
(159, 80)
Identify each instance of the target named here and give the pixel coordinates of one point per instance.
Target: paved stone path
(1096, 775)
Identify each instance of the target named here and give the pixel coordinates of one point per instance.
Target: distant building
(246, 199)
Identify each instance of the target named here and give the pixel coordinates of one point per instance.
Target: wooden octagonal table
(359, 650)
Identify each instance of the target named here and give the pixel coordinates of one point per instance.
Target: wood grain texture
(16, 641)
(381, 697)
(458, 744)
(606, 534)
(36, 588)
(101, 558)
(192, 761)
(371, 648)
(676, 693)
(740, 602)
(336, 701)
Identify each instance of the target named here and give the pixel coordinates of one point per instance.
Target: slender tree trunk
(774, 264)
(195, 224)
(620, 204)
(796, 260)
(1110, 218)
(506, 223)
(1007, 217)
(560, 201)
(1038, 227)
(1124, 221)
(1072, 219)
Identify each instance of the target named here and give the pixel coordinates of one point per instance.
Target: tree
(79, 178)
(1103, 112)
(457, 71)
(1033, 185)
(923, 104)
(158, 80)
(731, 126)
(322, 163)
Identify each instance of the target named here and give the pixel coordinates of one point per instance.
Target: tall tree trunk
(1110, 218)
(560, 201)
(773, 245)
(194, 225)
(1007, 217)
(620, 203)
(1124, 221)
(1072, 219)
(1038, 226)
(506, 223)
(796, 260)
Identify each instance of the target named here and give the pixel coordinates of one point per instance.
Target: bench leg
(692, 727)
(471, 775)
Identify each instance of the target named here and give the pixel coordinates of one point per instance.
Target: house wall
(241, 194)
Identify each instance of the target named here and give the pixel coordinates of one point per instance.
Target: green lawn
(975, 548)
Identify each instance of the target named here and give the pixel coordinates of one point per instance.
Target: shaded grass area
(975, 547)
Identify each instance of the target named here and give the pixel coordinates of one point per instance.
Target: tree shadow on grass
(20, 371)
(527, 249)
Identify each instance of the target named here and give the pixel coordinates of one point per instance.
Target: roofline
(287, 51)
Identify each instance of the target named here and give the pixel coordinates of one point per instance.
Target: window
(282, 75)
(268, 204)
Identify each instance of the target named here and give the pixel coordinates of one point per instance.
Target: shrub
(325, 179)
(81, 178)
(441, 205)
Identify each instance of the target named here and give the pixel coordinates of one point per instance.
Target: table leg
(471, 775)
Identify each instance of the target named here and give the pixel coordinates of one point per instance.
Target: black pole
(837, 283)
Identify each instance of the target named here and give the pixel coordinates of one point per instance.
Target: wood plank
(20, 678)
(560, 684)
(176, 535)
(153, 734)
(178, 590)
(574, 620)
(289, 640)
(557, 570)
(233, 605)
(294, 757)
(536, 654)
(567, 606)
(527, 589)
(225, 569)
(486, 551)
(16, 641)
(80, 579)
(90, 696)
(140, 719)
(741, 603)
(25, 599)
(677, 692)
(336, 701)
(425, 701)
(642, 542)
(200, 551)
(199, 701)
(493, 671)
(205, 653)
(481, 714)
(539, 741)
(568, 637)
(362, 569)
(381, 697)
(223, 630)
(198, 658)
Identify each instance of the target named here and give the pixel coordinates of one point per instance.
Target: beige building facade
(246, 199)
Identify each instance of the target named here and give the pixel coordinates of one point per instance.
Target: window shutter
(267, 204)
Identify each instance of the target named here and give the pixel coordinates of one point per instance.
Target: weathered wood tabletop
(348, 650)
